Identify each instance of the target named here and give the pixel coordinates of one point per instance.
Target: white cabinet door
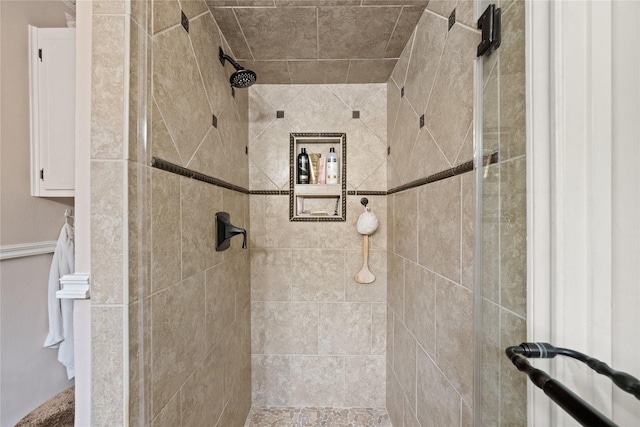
(52, 59)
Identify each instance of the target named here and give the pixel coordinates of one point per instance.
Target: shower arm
(223, 56)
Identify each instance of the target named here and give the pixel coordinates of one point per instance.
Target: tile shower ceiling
(318, 41)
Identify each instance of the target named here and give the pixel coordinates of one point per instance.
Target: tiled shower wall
(430, 324)
(318, 337)
(181, 313)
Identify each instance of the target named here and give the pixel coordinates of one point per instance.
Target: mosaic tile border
(448, 173)
(317, 417)
(465, 167)
(186, 172)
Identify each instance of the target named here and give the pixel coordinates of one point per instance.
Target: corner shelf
(318, 202)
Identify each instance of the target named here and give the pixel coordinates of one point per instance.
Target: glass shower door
(501, 391)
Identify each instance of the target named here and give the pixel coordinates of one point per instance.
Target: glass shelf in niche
(318, 201)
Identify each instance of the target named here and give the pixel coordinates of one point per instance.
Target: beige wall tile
(391, 200)
(378, 328)
(468, 230)
(166, 13)
(427, 158)
(108, 85)
(430, 37)
(139, 225)
(271, 380)
(170, 414)
(492, 354)
(399, 73)
(317, 381)
(234, 137)
(205, 37)
(338, 31)
(403, 140)
(327, 71)
(407, 21)
(261, 114)
(237, 367)
(199, 202)
(454, 334)
(319, 108)
(201, 400)
(162, 145)
(271, 274)
(108, 7)
(405, 227)
(257, 236)
(178, 90)
(513, 384)
(344, 328)
(439, 227)
(370, 70)
(318, 275)
(512, 82)
(139, 360)
(263, 32)
(439, 402)
(420, 309)
(107, 231)
(193, 8)
(365, 152)
(281, 96)
(395, 398)
(389, 344)
(450, 108)
(491, 234)
(466, 416)
(178, 337)
(165, 230)
(270, 154)
(107, 365)
(364, 381)
(395, 284)
(404, 359)
(513, 236)
(284, 327)
(220, 301)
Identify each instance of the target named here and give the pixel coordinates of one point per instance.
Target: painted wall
(169, 313)
(318, 337)
(430, 324)
(30, 374)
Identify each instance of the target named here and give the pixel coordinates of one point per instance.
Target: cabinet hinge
(42, 174)
(40, 54)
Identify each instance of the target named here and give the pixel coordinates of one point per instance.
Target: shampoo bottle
(303, 167)
(333, 174)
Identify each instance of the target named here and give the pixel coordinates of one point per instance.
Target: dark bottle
(303, 167)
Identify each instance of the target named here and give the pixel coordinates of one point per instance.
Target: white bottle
(333, 173)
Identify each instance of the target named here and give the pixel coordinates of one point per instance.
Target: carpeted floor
(59, 411)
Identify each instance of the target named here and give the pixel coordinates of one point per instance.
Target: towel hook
(68, 216)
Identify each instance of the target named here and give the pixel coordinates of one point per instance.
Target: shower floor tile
(317, 417)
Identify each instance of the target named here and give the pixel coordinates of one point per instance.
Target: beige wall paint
(30, 373)
(318, 337)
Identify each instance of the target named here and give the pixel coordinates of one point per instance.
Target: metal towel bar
(575, 406)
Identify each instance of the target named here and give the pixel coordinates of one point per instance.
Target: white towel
(61, 310)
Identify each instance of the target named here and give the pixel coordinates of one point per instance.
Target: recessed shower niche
(315, 197)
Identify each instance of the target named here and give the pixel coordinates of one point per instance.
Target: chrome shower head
(241, 78)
